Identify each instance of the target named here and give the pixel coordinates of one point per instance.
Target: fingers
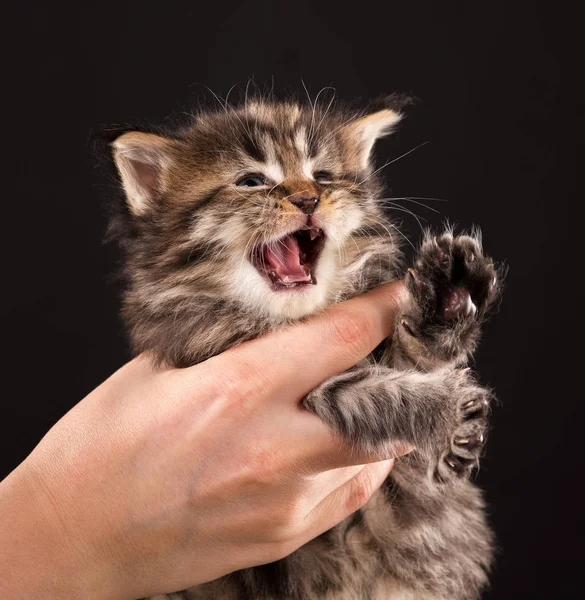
(346, 499)
(340, 455)
(296, 359)
(317, 449)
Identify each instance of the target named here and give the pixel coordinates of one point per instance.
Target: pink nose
(307, 203)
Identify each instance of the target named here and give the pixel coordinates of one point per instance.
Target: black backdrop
(499, 90)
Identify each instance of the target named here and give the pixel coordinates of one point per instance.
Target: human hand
(161, 479)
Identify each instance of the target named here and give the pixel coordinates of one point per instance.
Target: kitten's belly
(390, 590)
(386, 590)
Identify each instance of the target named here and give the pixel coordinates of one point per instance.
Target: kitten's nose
(306, 202)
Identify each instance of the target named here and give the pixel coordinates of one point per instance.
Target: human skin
(161, 479)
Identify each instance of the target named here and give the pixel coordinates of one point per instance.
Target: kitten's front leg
(371, 407)
(451, 285)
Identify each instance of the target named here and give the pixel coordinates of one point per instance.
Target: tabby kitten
(252, 217)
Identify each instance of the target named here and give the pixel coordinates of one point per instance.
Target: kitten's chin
(284, 303)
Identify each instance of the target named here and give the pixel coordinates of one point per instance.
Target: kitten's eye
(323, 177)
(251, 181)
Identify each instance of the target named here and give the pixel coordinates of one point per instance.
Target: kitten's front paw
(452, 284)
(468, 439)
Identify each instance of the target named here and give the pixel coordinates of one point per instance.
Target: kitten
(252, 217)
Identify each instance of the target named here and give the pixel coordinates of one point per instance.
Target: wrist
(38, 556)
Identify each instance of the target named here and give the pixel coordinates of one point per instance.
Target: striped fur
(188, 232)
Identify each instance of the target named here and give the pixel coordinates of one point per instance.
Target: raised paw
(467, 441)
(451, 284)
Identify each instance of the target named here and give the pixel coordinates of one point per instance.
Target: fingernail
(400, 449)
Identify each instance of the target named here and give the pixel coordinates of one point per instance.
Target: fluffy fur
(191, 230)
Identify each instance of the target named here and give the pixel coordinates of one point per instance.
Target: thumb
(346, 499)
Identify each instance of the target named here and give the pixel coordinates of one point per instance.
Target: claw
(406, 324)
(471, 442)
(459, 465)
(416, 280)
(475, 407)
(471, 308)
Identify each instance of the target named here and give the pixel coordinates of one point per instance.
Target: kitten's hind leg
(443, 414)
(469, 436)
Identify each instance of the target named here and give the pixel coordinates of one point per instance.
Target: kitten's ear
(379, 122)
(365, 131)
(143, 161)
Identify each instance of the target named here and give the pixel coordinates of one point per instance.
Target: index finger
(300, 357)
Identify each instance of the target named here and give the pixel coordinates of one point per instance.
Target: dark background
(499, 85)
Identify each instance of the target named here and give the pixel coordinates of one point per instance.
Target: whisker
(412, 214)
(389, 163)
(328, 106)
(413, 200)
(378, 224)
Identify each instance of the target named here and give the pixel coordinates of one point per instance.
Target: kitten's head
(271, 204)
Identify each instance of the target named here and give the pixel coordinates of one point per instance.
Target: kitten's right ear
(143, 161)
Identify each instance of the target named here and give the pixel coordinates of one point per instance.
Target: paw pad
(458, 304)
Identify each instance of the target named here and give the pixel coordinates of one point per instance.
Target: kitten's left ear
(364, 131)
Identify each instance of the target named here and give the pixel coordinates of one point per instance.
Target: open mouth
(290, 261)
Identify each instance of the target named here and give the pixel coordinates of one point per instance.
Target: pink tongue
(282, 258)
